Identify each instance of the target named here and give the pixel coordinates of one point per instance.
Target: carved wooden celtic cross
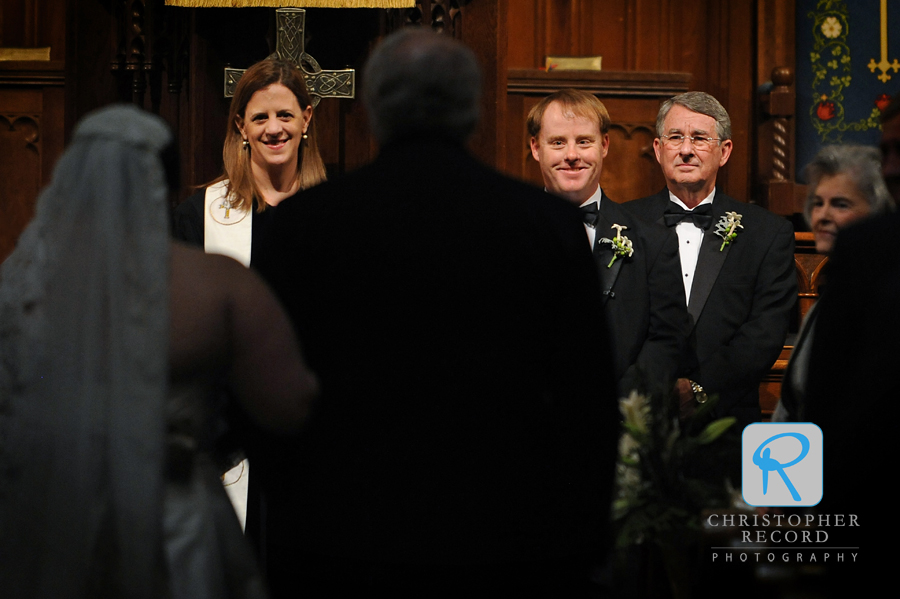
(289, 45)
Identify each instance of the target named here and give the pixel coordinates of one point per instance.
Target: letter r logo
(782, 464)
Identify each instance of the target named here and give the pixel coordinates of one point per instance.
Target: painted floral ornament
(621, 245)
(727, 228)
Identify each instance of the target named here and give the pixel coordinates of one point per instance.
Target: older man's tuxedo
(648, 324)
(740, 303)
(467, 413)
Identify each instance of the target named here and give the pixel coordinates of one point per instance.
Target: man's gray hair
(861, 163)
(418, 81)
(697, 102)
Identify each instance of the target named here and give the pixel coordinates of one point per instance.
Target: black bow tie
(589, 214)
(701, 216)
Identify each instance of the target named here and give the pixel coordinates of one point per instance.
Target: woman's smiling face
(274, 123)
(836, 204)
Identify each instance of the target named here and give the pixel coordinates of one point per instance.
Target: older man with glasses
(737, 261)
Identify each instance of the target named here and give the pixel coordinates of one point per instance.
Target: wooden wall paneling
(737, 44)
(20, 169)
(339, 39)
(630, 170)
(202, 130)
(630, 39)
(484, 30)
(91, 46)
(31, 111)
(32, 24)
(52, 18)
(525, 37)
(684, 38)
(711, 77)
(559, 24)
(606, 27)
(31, 140)
(775, 37)
(651, 35)
(518, 162)
(567, 28)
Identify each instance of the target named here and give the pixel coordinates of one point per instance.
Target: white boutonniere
(727, 227)
(621, 245)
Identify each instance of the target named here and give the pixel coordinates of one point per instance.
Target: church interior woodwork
(171, 60)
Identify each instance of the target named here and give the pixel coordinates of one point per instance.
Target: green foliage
(667, 471)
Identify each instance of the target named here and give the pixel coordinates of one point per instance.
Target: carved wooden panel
(630, 170)
(32, 106)
(441, 15)
(809, 266)
(20, 172)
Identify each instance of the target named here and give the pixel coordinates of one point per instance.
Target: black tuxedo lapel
(709, 263)
(603, 253)
(660, 202)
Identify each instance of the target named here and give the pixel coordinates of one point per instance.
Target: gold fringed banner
(293, 3)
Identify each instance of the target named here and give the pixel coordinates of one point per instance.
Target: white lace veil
(83, 371)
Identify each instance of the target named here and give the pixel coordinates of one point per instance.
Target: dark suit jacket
(438, 303)
(740, 304)
(852, 384)
(852, 388)
(648, 323)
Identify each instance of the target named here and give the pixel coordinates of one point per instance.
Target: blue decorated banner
(848, 67)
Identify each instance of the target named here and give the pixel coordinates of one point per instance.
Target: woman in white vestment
(845, 185)
(106, 356)
(270, 154)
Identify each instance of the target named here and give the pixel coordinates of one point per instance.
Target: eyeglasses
(674, 142)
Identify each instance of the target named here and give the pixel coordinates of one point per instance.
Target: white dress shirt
(690, 236)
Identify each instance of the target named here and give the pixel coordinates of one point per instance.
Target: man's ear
(534, 148)
(726, 146)
(657, 148)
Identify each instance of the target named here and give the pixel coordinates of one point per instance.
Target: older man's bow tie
(700, 216)
(589, 214)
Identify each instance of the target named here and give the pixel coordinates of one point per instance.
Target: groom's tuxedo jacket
(437, 302)
(740, 304)
(647, 318)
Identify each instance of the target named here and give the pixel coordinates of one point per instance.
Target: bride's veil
(83, 344)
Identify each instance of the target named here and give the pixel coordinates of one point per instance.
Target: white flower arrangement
(621, 245)
(658, 496)
(727, 227)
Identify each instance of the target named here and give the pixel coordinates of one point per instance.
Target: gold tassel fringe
(293, 3)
